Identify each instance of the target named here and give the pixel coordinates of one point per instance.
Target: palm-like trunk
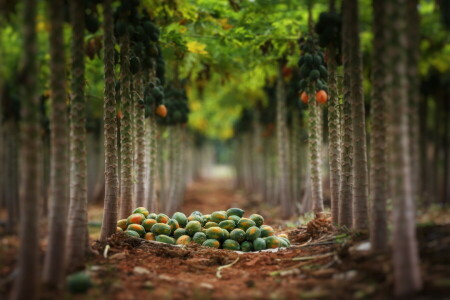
(345, 188)
(54, 265)
(407, 275)
(27, 280)
(76, 237)
(360, 173)
(282, 147)
(140, 142)
(378, 228)
(109, 128)
(126, 131)
(151, 192)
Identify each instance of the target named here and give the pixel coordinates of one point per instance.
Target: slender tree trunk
(378, 227)
(140, 142)
(295, 158)
(153, 132)
(109, 129)
(413, 36)
(282, 145)
(54, 265)
(360, 173)
(27, 280)
(77, 230)
(407, 275)
(346, 184)
(126, 132)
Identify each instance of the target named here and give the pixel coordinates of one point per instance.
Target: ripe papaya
(179, 232)
(122, 224)
(161, 110)
(141, 210)
(266, 231)
(211, 224)
(162, 218)
(150, 236)
(118, 229)
(173, 225)
(135, 219)
(259, 244)
(231, 245)
(148, 224)
(183, 240)
(218, 216)
(272, 242)
(138, 228)
(226, 234)
(252, 233)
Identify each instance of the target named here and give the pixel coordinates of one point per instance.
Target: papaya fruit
(173, 225)
(197, 213)
(259, 244)
(308, 59)
(211, 224)
(234, 211)
(192, 227)
(122, 224)
(148, 224)
(284, 242)
(215, 233)
(181, 218)
(135, 219)
(183, 240)
(258, 219)
(272, 242)
(218, 216)
(283, 235)
(199, 238)
(161, 228)
(227, 224)
(323, 72)
(162, 218)
(132, 233)
(237, 235)
(79, 282)
(118, 229)
(150, 236)
(141, 210)
(211, 243)
(235, 219)
(245, 224)
(206, 218)
(165, 239)
(138, 228)
(252, 233)
(226, 234)
(196, 218)
(179, 232)
(314, 75)
(152, 216)
(266, 231)
(231, 245)
(246, 246)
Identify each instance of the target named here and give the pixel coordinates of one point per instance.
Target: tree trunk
(378, 227)
(360, 173)
(109, 223)
(346, 184)
(54, 265)
(295, 158)
(151, 192)
(282, 146)
(140, 142)
(126, 131)
(407, 276)
(76, 236)
(27, 280)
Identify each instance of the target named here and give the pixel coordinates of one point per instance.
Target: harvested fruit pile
(222, 229)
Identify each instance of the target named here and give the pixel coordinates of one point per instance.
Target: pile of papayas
(221, 229)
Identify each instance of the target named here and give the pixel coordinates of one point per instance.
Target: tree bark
(360, 173)
(126, 131)
(109, 223)
(346, 184)
(76, 237)
(140, 142)
(407, 277)
(27, 280)
(282, 145)
(54, 264)
(378, 226)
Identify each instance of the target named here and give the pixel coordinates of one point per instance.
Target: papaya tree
(407, 274)
(109, 127)
(26, 284)
(54, 263)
